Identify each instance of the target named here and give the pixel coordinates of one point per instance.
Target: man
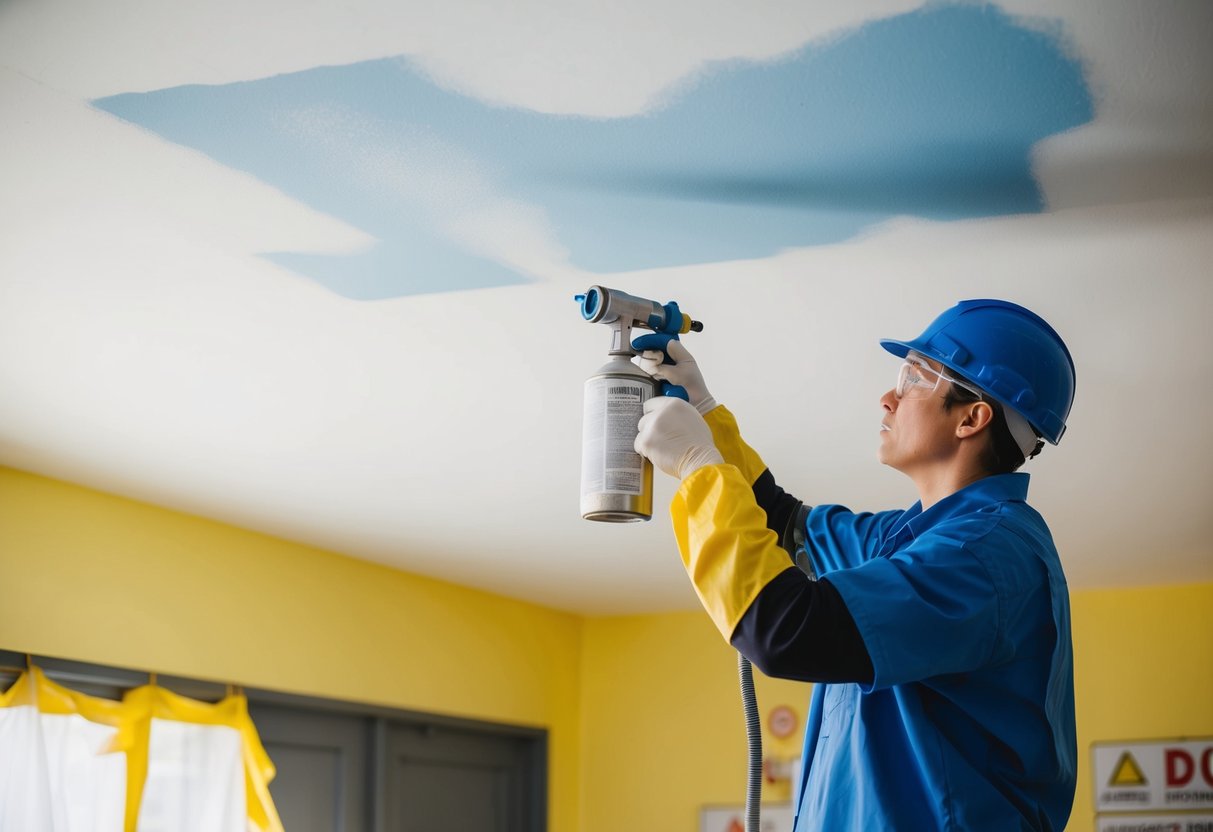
(939, 636)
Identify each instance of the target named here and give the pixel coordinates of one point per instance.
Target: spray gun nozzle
(624, 311)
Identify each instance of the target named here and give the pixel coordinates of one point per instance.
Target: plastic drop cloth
(60, 769)
(154, 762)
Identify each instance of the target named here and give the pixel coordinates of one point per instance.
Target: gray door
(322, 760)
(442, 779)
(357, 773)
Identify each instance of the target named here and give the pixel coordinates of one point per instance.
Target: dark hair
(1002, 454)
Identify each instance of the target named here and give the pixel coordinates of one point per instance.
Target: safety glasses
(916, 379)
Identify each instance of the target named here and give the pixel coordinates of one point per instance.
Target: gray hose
(753, 733)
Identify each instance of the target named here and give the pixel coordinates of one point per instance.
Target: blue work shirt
(968, 723)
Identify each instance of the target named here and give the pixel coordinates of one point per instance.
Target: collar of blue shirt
(1001, 488)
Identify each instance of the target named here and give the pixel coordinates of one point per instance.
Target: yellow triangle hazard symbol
(1126, 772)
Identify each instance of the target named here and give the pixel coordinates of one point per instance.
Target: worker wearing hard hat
(940, 634)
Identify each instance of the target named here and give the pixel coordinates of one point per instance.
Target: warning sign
(1147, 776)
(1127, 773)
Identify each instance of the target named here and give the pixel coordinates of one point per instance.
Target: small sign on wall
(775, 817)
(781, 722)
(1169, 775)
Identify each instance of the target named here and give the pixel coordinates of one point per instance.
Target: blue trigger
(659, 341)
(655, 341)
(675, 390)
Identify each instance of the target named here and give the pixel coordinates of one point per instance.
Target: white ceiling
(148, 350)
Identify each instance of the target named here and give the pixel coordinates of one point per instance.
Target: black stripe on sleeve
(800, 629)
(777, 503)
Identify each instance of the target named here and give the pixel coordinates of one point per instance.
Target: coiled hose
(753, 733)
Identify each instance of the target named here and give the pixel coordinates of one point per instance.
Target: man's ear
(977, 417)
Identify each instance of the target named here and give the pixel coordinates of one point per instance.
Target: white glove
(675, 437)
(684, 371)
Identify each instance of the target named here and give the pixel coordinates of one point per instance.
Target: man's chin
(883, 457)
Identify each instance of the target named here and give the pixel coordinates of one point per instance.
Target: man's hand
(675, 437)
(666, 359)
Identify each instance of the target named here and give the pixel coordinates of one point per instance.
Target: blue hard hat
(1009, 352)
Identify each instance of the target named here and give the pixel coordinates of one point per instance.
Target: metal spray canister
(617, 482)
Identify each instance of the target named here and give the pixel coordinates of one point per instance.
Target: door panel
(321, 759)
(447, 780)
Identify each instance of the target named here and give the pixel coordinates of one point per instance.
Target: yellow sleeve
(728, 441)
(726, 547)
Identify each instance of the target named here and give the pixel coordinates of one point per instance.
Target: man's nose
(889, 400)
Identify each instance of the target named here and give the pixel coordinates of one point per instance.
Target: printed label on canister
(609, 462)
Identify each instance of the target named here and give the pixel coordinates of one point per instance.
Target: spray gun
(617, 482)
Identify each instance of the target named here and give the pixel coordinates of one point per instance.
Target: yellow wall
(664, 731)
(97, 578)
(643, 711)
(1143, 670)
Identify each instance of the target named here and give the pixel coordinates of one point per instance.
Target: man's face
(916, 431)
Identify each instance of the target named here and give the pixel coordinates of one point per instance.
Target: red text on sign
(1181, 767)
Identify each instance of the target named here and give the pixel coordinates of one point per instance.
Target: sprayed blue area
(932, 114)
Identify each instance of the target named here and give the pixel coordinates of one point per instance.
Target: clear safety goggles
(916, 379)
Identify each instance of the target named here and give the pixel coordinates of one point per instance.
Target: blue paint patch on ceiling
(932, 114)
